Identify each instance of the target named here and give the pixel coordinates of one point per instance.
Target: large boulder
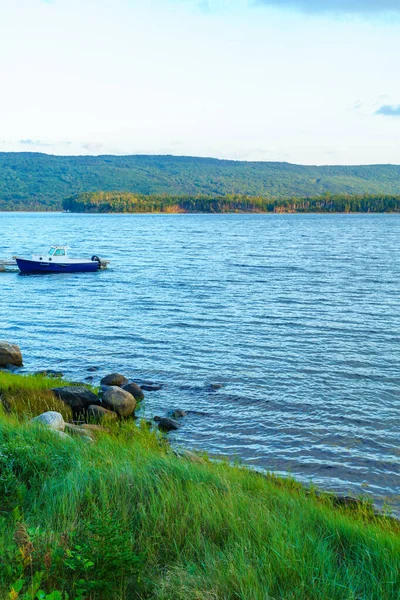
(77, 397)
(114, 379)
(120, 401)
(98, 414)
(135, 390)
(51, 419)
(10, 354)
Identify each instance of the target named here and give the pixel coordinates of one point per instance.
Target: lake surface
(297, 316)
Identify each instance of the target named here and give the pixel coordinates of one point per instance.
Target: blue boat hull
(34, 266)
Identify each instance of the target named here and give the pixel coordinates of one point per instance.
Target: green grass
(27, 396)
(30, 395)
(124, 518)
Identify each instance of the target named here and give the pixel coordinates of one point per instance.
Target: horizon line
(190, 156)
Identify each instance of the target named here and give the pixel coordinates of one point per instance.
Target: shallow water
(297, 316)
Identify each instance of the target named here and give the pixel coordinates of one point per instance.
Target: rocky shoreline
(117, 398)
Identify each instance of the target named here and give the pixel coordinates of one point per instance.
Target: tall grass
(30, 395)
(124, 518)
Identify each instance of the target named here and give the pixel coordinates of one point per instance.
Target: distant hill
(39, 181)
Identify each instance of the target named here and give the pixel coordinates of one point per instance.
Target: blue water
(297, 316)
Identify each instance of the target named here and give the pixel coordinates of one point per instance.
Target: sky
(303, 81)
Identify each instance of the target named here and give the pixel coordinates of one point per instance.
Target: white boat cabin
(55, 254)
(58, 251)
(58, 254)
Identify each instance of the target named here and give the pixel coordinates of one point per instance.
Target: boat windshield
(51, 251)
(59, 252)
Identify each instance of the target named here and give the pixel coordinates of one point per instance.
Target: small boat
(58, 261)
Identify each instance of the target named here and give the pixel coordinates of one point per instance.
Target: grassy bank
(30, 395)
(124, 518)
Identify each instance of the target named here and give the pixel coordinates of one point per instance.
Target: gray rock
(135, 390)
(347, 501)
(77, 397)
(51, 419)
(151, 387)
(216, 386)
(114, 379)
(10, 354)
(120, 401)
(61, 434)
(178, 413)
(10, 368)
(94, 430)
(166, 424)
(191, 456)
(98, 414)
(93, 369)
(76, 430)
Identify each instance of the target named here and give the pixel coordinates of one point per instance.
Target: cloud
(29, 142)
(95, 147)
(42, 143)
(389, 111)
(337, 6)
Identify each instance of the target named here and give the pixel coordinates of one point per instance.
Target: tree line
(126, 202)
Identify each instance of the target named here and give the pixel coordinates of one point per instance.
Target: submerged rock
(213, 387)
(114, 379)
(98, 414)
(134, 389)
(10, 354)
(10, 368)
(51, 419)
(50, 373)
(151, 387)
(166, 424)
(120, 401)
(77, 397)
(92, 369)
(178, 413)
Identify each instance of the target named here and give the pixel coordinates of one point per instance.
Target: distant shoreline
(233, 212)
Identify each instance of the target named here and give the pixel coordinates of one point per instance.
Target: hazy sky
(306, 81)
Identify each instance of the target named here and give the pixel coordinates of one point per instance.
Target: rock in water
(10, 354)
(51, 419)
(50, 373)
(166, 424)
(98, 414)
(178, 413)
(120, 401)
(114, 379)
(135, 390)
(77, 397)
(151, 387)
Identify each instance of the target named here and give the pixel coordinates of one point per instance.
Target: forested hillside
(41, 182)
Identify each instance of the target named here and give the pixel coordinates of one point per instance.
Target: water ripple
(296, 316)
